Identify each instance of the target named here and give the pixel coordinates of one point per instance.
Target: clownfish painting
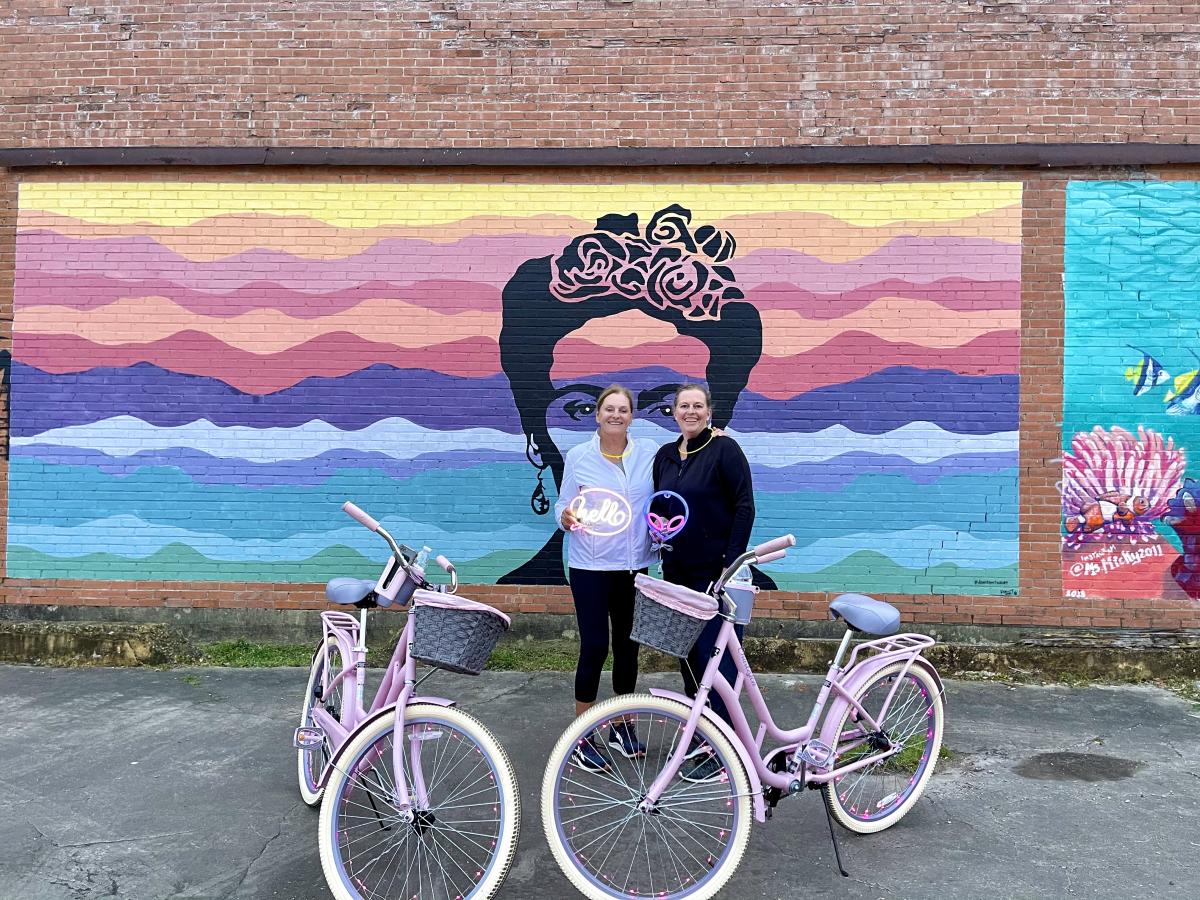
(1147, 375)
(1106, 509)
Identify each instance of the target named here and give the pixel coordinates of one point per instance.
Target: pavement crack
(129, 840)
(266, 846)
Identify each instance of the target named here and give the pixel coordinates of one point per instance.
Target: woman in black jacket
(712, 474)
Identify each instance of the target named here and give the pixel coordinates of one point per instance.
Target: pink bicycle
(417, 798)
(668, 815)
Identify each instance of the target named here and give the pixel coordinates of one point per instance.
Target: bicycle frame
(840, 681)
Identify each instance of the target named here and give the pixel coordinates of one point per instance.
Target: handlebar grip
(780, 543)
(771, 557)
(446, 565)
(359, 516)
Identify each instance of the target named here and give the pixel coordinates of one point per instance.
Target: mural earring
(538, 501)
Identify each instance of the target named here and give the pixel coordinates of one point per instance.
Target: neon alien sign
(663, 528)
(600, 512)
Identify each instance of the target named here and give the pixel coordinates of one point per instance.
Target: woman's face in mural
(633, 349)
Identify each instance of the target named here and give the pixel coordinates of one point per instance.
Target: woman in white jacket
(607, 547)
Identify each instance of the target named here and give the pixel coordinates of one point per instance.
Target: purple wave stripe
(877, 403)
(889, 399)
(42, 401)
(912, 259)
(827, 475)
(958, 294)
(481, 259)
(205, 469)
(87, 292)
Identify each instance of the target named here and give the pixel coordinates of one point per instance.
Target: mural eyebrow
(650, 396)
(580, 388)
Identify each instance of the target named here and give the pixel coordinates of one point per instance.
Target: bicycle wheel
(879, 795)
(311, 763)
(460, 845)
(688, 846)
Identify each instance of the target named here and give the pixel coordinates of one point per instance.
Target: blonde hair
(609, 391)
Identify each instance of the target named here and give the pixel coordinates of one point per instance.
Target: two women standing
(712, 474)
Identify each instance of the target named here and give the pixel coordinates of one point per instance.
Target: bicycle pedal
(816, 754)
(308, 737)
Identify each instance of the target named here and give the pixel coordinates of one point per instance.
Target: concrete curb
(1080, 656)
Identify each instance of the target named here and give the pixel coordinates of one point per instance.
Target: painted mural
(1131, 391)
(203, 372)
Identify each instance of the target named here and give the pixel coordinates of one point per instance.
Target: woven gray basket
(663, 628)
(459, 640)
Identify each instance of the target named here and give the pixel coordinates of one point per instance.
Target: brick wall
(469, 74)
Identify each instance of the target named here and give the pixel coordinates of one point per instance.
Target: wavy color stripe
(428, 203)
(879, 402)
(826, 237)
(122, 436)
(492, 261)
(86, 292)
(193, 353)
(150, 319)
(831, 475)
(958, 293)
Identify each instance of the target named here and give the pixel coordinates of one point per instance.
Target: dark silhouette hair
(534, 321)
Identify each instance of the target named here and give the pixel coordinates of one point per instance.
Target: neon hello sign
(600, 512)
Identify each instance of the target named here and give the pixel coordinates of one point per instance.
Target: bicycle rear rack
(897, 646)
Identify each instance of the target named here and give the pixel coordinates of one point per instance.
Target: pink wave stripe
(486, 260)
(490, 261)
(854, 355)
(148, 319)
(914, 260)
(849, 356)
(223, 235)
(192, 353)
(959, 294)
(95, 291)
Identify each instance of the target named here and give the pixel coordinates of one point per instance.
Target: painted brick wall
(1040, 600)
(742, 72)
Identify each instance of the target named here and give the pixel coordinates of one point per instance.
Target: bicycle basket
(454, 633)
(669, 617)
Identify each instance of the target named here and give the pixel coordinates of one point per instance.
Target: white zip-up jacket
(586, 467)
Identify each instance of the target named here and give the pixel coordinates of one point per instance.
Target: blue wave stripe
(122, 436)
(483, 498)
(830, 475)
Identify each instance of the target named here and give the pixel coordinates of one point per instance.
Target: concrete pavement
(180, 784)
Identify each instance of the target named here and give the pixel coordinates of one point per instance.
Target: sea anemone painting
(1115, 485)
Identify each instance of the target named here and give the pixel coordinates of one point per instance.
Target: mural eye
(666, 410)
(578, 409)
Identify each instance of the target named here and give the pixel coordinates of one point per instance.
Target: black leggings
(600, 596)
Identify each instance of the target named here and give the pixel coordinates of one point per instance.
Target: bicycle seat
(863, 613)
(348, 591)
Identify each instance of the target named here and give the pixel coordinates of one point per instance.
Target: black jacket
(717, 486)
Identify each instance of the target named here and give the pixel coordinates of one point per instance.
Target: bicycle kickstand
(837, 853)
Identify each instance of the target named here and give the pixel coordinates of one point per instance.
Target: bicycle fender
(389, 710)
(859, 676)
(756, 789)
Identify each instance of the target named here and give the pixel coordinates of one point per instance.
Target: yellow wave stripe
(143, 320)
(424, 204)
(826, 238)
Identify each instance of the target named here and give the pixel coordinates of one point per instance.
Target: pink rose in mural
(1115, 485)
(668, 266)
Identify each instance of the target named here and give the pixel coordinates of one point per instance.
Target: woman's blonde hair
(609, 391)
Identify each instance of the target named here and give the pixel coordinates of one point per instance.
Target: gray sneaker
(707, 769)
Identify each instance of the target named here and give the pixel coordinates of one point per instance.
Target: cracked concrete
(141, 784)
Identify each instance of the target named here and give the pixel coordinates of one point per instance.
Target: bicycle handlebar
(359, 516)
(771, 557)
(774, 546)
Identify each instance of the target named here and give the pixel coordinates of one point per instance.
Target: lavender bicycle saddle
(348, 590)
(863, 613)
